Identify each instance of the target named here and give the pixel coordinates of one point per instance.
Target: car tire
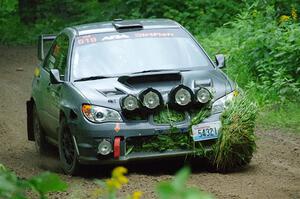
(41, 144)
(67, 151)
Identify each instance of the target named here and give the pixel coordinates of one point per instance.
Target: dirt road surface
(273, 173)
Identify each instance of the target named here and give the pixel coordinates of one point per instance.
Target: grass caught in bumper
(233, 148)
(236, 142)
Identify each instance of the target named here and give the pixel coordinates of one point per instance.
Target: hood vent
(139, 79)
(203, 83)
(109, 93)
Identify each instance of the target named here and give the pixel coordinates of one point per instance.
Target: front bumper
(87, 137)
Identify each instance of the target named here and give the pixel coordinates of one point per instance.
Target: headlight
(181, 95)
(151, 98)
(100, 114)
(203, 95)
(219, 105)
(130, 103)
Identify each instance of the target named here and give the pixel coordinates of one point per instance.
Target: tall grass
(236, 142)
(263, 55)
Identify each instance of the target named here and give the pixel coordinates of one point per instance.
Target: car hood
(108, 92)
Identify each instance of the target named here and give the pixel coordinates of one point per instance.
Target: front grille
(166, 143)
(159, 143)
(169, 116)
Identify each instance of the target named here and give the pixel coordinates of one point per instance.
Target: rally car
(99, 86)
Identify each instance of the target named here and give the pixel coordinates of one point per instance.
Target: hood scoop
(138, 79)
(111, 92)
(203, 83)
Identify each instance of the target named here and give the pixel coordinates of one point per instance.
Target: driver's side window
(57, 56)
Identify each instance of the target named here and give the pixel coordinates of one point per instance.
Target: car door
(56, 59)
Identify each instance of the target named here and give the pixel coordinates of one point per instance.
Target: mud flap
(29, 106)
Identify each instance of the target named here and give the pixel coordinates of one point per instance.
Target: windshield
(117, 54)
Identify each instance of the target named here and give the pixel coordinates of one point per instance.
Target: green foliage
(13, 187)
(177, 189)
(200, 116)
(47, 182)
(173, 140)
(236, 141)
(160, 143)
(285, 117)
(168, 116)
(199, 16)
(263, 54)
(233, 148)
(195, 15)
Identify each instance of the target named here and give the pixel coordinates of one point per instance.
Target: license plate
(205, 131)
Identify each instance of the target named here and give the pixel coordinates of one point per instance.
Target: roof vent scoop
(126, 25)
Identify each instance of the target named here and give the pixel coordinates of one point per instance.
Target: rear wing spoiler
(44, 45)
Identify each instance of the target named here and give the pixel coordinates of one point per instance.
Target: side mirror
(220, 60)
(55, 77)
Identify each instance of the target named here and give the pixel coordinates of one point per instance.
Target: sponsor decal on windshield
(154, 34)
(104, 37)
(87, 39)
(115, 37)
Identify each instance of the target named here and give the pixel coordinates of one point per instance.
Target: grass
(236, 142)
(285, 117)
(168, 116)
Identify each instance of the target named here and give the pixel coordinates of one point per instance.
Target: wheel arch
(67, 113)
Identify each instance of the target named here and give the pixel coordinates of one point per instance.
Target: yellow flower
(122, 179)
(113, 184)
(37, 72)
(235, 93)
(117, 180)
(118, 175)
(284, 18)
(294, 13)
(137, 195)
(119, 171)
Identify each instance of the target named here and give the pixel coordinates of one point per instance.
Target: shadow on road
(156, 167)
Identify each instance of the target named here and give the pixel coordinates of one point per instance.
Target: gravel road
(273, 173)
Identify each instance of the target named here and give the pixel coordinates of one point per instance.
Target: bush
(13, 187)
(51, 16)
(177, 188)
(166, 190)
(263, 53)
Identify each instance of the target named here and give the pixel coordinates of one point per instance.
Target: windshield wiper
(92, 78)
(161, 70)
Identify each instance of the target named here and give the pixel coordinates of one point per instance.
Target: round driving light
(151, 100)
(104, 147)
(183, 97)
(130, 103)
(203, 95)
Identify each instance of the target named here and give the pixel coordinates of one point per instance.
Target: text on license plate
(206, 131)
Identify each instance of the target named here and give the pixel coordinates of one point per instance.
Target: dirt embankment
(273, 173)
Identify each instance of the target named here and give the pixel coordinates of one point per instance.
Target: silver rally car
(99, 85)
